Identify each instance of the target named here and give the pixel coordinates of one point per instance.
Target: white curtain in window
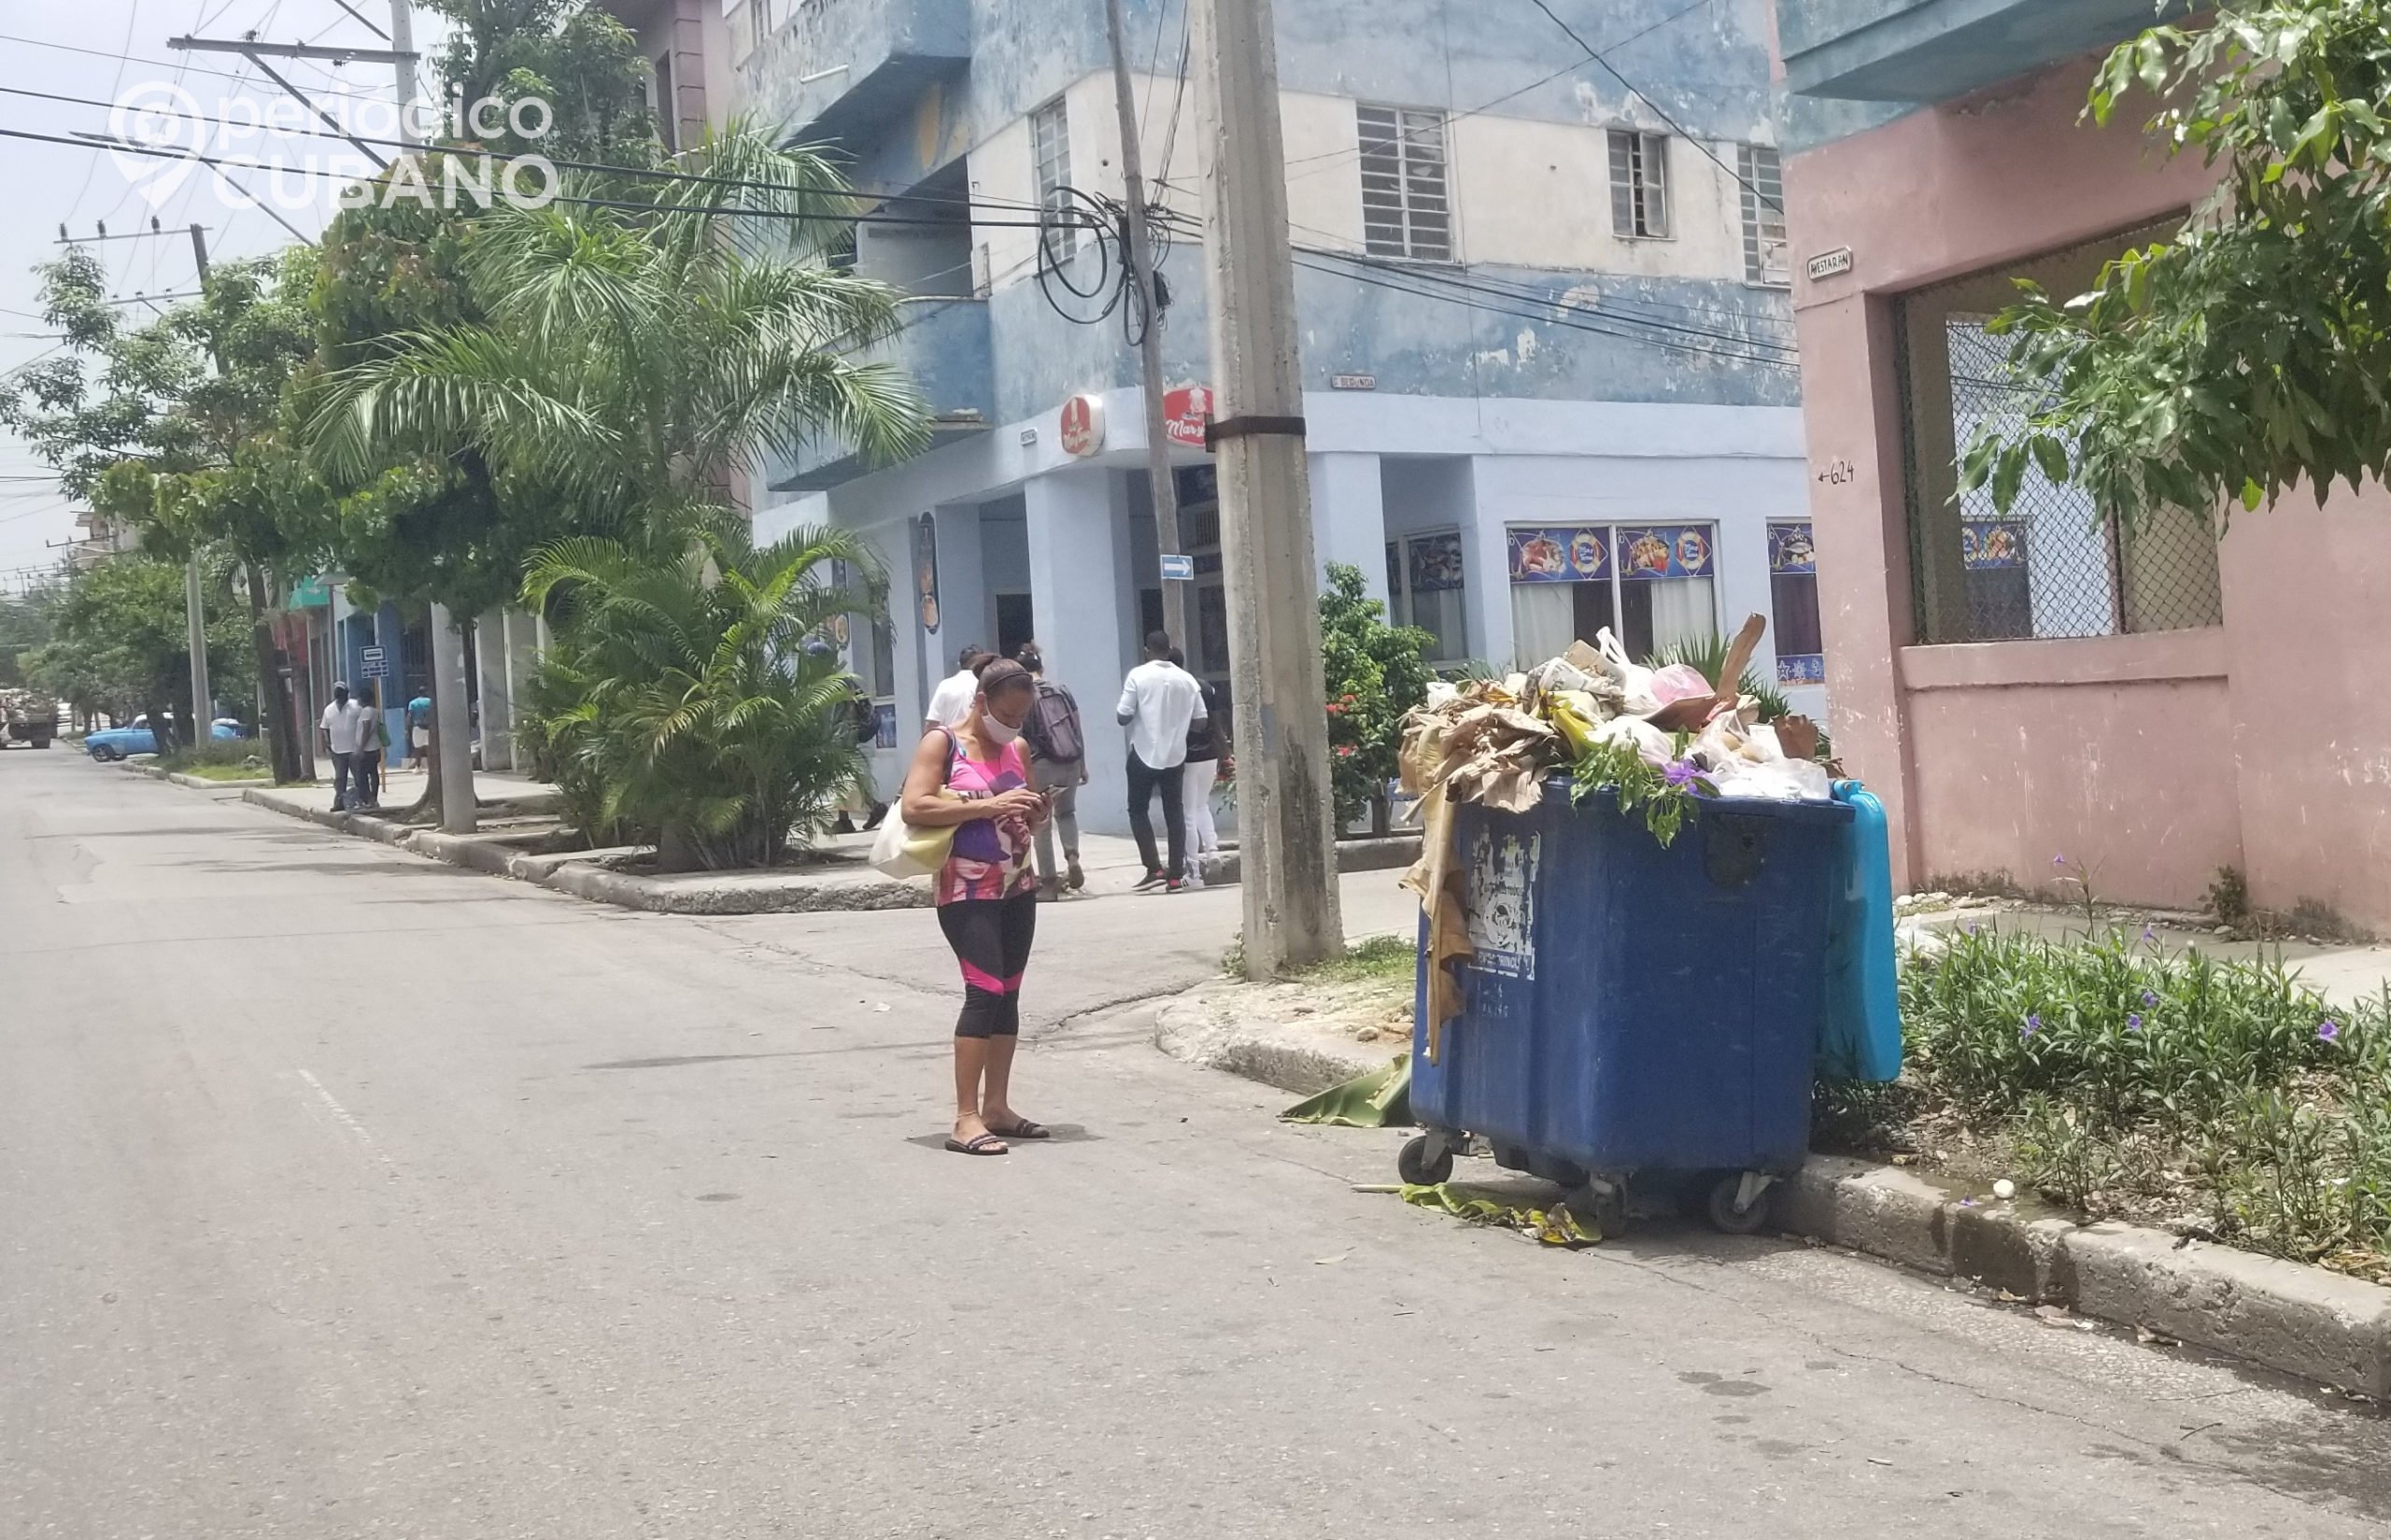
(1544, 621)
(1683, 611)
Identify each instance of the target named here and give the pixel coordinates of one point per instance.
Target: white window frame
(1761, 192)
(1639, 185)
(1050, 166)
(1406, 182)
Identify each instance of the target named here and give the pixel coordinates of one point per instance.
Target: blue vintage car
(136, 737)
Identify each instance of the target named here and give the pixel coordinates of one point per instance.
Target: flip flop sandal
(1024, 1129)
(978, 1144)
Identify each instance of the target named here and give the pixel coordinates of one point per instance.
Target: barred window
(1761, 185)
(2055, 564)
(1406, 208)
(1050, 148)
(1639, 184)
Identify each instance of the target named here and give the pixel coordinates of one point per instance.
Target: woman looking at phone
(974, 778)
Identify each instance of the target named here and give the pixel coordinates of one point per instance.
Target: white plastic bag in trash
(1650, 741)
(1778, 780)
(1634, 679)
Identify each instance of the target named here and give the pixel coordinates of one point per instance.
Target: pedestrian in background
(1159, 701)
(337, 731)
(418, 731)
(974, 779)
(372, 746)
(951, 702)
(1203, 768)
(1058, 768)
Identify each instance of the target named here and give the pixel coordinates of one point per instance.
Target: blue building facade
(1543, 309)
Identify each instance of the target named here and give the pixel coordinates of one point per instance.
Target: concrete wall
(2153, 759)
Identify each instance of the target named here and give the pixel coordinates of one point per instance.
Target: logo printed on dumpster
(1500, 903)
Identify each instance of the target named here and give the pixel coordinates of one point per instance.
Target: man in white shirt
(1159, 700)
(951, 702)
(343, 724)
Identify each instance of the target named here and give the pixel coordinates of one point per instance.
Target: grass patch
(2218, 1097)
(1380, 959)
(224, 772)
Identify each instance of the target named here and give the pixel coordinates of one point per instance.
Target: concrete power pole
(1142, 272)
(1285, 829)
(195, 621)
(452, 711)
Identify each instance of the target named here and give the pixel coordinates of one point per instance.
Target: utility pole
(275, 716)
(195, 602)
(1142, 273)
(452, 732)
(1286, 833)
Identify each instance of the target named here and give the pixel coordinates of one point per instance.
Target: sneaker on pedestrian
(1073, 878)
(1049, 893)
(1174, 886)
(1150, 881)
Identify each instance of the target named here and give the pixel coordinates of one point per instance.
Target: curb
(2323, 1327)
(627, 890)
(196, 783)
(1372, 852)
(1185, 1029)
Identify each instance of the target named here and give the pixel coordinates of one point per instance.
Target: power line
(116, 88)
(1595, 54)
(1645, 338)
(634, 206)
(649, 173)
(239, 77)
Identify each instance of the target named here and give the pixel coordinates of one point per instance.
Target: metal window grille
(759, 14)
(1639, 184)
(1407, 207)
(1762, 186)
(1050, 145)
(2053, 565)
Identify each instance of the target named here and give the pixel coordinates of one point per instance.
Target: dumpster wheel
(1738, 1203)
(1425, 1161)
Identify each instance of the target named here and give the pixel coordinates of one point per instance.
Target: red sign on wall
(1083, 426)
(1185, 412)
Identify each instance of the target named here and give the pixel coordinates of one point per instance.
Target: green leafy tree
(584, 65)
(2250, 352)
(120, 644)
(681, 703)
(176, 427)
(1376, 674)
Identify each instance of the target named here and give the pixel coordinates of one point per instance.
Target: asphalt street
(344, 1193)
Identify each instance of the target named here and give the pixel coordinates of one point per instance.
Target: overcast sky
(107, 51)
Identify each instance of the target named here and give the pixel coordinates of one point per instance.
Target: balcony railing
(944, 347)
(837, 67)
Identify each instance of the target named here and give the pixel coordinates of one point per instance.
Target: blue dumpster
(1633, 1009)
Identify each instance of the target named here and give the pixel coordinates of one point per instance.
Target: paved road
(615, 1225)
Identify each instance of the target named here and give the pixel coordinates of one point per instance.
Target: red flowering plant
(1376, 674)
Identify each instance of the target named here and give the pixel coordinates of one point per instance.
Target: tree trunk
(274, 688)
(160, 728)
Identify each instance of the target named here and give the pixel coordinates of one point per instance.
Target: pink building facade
(2153, 703)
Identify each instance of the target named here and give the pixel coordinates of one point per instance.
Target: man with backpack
(1057, 766)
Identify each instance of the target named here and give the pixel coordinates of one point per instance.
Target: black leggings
(991, 940)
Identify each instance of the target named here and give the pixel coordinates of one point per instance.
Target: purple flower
(1679, 772)
(2329, 1031)
(2034, 1025)
(1970, 927)
(2059, 860)
(2133, 1020)
(2148, 999)
(2148, 936)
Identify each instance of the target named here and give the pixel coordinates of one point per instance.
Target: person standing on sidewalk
(338, 732)
(1202, 768)
(951, 702)
(1159, 700)
(373, 749)
(1058, 768)
(973, 778)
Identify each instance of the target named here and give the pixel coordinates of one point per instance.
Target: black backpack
(1053, 726)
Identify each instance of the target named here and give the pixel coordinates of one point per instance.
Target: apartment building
(1546, 351)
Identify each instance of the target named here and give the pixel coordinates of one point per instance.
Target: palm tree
(684, 702)
(643, 338)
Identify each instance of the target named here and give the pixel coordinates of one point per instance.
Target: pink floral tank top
(990, 857)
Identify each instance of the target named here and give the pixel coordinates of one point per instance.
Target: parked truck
(30, 718)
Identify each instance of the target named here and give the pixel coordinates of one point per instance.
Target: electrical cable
(1595, 54)
(649, 173)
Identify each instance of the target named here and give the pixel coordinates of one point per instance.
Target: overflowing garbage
(1658, 740)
